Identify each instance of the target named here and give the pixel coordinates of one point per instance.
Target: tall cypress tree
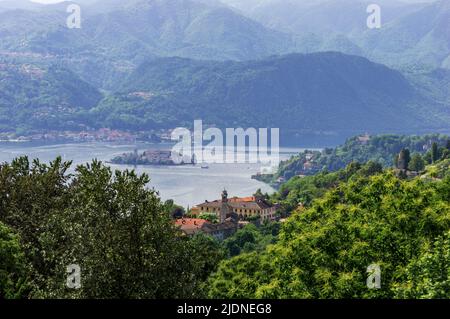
(434, 152)
(403, 159)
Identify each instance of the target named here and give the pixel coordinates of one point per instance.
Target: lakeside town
(87, 135)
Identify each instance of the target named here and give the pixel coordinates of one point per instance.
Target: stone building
(238, 208)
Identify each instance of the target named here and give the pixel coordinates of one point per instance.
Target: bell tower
(225, 208)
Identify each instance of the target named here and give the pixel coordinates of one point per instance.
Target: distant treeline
(383, 149)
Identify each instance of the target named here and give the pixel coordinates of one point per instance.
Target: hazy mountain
(160, 27)
(419, 38)
(315, 92)
(118, 34)
(413, 32)
(320, 16)
(189, 28)
(134, 30)
(435, 84)
(19, 4)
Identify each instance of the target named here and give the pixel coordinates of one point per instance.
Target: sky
(47, 1)
(56, 1)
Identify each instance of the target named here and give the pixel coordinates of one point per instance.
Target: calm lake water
(187, 185)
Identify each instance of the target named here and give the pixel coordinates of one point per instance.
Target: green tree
(31, 195)
(417, 163)
(403, 159)
(371, 168)
(13, 266)
(208, 253)
(174, 211)
(123, 239)
(109, 223)
(428, 276)
(211, 217)
(244, 238)
(261, 195)
(434, 152)
(324, 252)
(252, 238)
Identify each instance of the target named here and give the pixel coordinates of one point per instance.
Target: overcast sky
(47, 1)
(56, 1)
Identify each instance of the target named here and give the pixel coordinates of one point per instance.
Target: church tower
(224, 210)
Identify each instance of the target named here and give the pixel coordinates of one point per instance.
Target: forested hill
(368, 217)
(382, 149)
(311, 92)
(325, 93)
(49, 97)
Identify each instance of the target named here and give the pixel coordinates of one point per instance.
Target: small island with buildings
(150, 157)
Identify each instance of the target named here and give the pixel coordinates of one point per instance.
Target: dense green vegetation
(267, 93)
(386, 151)
(13, 275)
(252, 239)
(122, 236)
(428, 276)
(383, 149)
(383, 200)
(172, 92)
(117, 231)
(38, 97)
(324, 251)
(107, 222)
(301, 191)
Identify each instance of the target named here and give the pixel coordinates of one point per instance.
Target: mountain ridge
(327, 91)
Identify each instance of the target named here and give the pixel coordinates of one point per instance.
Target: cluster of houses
(86, 134)
(232, 214)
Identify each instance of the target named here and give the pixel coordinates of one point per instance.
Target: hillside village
(222, 218)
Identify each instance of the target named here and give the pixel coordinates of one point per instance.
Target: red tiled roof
(191, 223)
(242, 199)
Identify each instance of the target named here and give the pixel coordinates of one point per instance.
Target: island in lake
(151, 157)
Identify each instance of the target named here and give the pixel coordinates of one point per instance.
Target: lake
(186, 185)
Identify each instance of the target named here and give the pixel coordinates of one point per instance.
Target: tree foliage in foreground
(13, 271)
(305, 189)
(428, 276)
(107, 222)
(122, 236)
(252, 238)
(324, 251)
